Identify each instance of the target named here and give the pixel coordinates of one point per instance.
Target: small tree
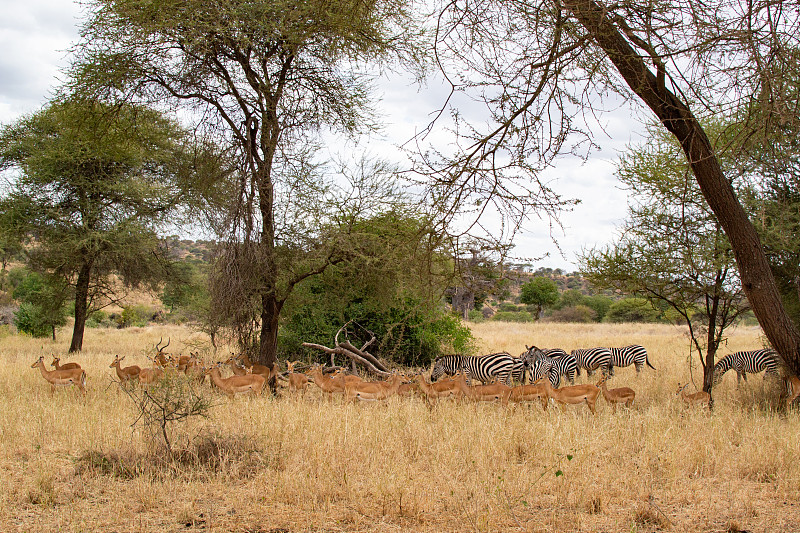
(42, 308)
(541, 292)
(94, 182)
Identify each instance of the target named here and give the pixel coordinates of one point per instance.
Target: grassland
(288, 464)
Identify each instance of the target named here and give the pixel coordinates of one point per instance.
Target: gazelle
(236, 366)
(573, 394)
(793, 388)
(162, 358)
(697, 398)
(440, 389)
(483, 393)
(148, 376)
(256, 368)
(297, 380)
(125, 374)
(65, 366)
(328, 384)
(62, 378)
(236, 384)
(624, 395)
(374, 390)
(529, 393)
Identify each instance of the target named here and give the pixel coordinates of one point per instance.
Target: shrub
(135, 315)
(632, 310)
(475, 315)
(577, 313)
(522, 316)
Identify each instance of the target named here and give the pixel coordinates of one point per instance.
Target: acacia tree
(541, 291)
(92, 183)
(263, 77)
(671, 249)
(542, 67)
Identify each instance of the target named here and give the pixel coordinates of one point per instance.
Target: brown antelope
(62, 378)
(441, 389)
(373, 390)
(529, 393)
(125, 374)
(235, 384)
(624, 395)
(697, 398)
(182, 364)
(483, 393)
(793, 388)
(297, 380)
(195, 368)
(65, 366)
(573, 394)
(255, 368)
(163, 359)
(148, 376)
(236, 366)
(408, 389)
(328, 384)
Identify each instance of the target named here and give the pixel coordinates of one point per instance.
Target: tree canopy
(92, 184)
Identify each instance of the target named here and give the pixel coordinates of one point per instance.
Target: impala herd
(248, 377)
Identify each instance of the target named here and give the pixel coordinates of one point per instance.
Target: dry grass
(286, 464)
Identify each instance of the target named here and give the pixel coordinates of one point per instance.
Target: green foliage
(508, 308)
(42, 308)
(541, 292)
(475, 315)
(521, 316)
(574, 313)
(632, 310)
(135, 316)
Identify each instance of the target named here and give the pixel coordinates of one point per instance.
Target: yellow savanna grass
(288, 464)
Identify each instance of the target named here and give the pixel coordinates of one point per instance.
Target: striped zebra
(484, 368)
(629, 355)
(555, 367)
(591, 359)
(753, 362)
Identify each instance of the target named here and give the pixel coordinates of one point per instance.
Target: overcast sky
(35, 36)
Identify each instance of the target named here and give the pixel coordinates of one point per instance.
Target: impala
(697, 398)
(374, 390)
(441, 389)
(529, 393)
(66, 366)
(793, 388)
(256, 368)
(574, 394)
(624, 395)
(483, 393)
(236, 384)
(163, 359)
(62, 378)
(328, 384)
(236, 366)
(297, 380)
(125, 374)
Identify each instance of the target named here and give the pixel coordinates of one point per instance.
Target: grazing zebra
(555, 367)
(591, 359)
(743, 362)
(629, 355)
(485, 368)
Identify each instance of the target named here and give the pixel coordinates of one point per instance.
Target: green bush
(475, 315)
(522, 316)
(509, 308)
(576, 313)
(632, 310)
(135, 316)
(30, 320)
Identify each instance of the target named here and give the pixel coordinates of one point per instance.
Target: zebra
(591, 359)
(555, 367)
(485, 368)
(743, 362)
(627, 355)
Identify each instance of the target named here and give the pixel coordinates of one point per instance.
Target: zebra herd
(556, 363)
(553, 362)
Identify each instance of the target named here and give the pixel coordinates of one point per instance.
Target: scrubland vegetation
(283, 463)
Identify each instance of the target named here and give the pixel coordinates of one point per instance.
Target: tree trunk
(81, 306)
(754, 269)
